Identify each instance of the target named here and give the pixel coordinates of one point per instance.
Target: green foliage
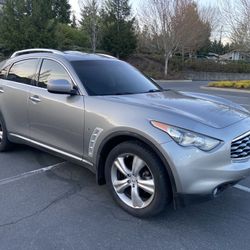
(70, 38)
(216, 47)
(61, 11)
(27, 24)
(91, 23)
(74, 24)
(118, 9)
(213, 66)
(31, 23)
(118, 33)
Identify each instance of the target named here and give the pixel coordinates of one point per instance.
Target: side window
(51, 70)
(23, 71)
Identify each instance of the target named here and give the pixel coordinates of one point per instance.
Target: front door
(56, 120)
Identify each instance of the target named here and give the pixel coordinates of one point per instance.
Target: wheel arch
(118, 137)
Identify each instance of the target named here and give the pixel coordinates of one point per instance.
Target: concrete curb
(226, 89)
(169, 81)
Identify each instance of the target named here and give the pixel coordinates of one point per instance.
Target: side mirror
(60, 86)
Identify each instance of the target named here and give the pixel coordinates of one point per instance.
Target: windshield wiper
(154, 90)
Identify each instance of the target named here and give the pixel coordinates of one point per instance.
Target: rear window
(103, 77)
(23, 71)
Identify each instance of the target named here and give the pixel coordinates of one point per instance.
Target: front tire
(137, 179)
(5, 144)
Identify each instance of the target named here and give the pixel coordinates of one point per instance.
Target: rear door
(56, 120)
(14, 94)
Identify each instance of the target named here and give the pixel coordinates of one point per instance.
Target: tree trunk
(183, 55)
(94, 41)
(166, 65)
(94, 36)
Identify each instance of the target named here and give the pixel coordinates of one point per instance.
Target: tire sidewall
(162, 190)
(4, 144)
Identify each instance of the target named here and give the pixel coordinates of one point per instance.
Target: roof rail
(74, 52)
(29, 51)
(105, 55)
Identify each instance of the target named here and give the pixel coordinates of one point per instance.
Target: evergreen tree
(73, 23)
(32, 23)
(27, 24)
(118, 36)
(61, 11)
(90, 22)
(216, 47)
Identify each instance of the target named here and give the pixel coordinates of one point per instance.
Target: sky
(135, 3)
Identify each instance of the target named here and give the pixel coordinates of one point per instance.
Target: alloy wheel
(133, 181)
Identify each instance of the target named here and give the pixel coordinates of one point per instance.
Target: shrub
(245, 84)
(213, 66)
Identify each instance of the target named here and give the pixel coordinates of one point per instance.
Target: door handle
(35, 99)
(1, 91)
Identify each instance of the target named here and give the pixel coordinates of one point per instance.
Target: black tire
(5, 144)
(162, 188)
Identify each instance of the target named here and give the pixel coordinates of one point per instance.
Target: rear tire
(137, 179)
(5, 144)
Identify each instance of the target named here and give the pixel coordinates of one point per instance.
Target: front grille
(241, 147)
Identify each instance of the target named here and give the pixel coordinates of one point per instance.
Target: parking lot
(46, 203)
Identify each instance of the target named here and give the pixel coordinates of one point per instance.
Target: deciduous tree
(175, 25)
(237, 17)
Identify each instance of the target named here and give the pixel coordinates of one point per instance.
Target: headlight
(187, 138)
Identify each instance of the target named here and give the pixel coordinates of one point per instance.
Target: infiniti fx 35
(150, 146)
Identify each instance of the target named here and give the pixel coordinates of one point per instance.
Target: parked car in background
(150, 146)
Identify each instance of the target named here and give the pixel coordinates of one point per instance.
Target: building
(236, 56)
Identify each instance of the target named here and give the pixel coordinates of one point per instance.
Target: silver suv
(150, 146)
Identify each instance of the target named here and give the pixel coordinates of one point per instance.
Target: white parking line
(28, 174)
(242, 188)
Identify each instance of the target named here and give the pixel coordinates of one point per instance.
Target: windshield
(103, 77)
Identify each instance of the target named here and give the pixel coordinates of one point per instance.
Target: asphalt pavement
(46, 203)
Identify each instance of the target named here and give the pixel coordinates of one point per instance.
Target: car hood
(216, 114)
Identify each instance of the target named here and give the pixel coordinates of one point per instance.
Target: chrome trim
(52, 149)
(241, 136)
(92, 142)
(1, 91)
(35, 99)
(237, 139)
(106, 55)
(67, 70)
(27, 51)
(241, 159)
(39, 64)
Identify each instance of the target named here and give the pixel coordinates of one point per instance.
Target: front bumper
(182, 200)
(200, 175)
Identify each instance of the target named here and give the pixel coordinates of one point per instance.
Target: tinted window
(105, 77)
(51, 70)
(24, 71)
